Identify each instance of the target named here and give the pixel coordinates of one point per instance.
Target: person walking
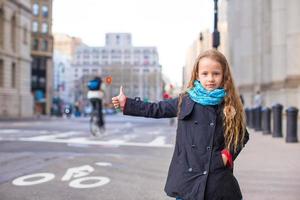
(210, 134)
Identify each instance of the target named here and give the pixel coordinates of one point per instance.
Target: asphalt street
(57, 158)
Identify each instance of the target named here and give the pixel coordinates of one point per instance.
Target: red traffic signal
(108, 80)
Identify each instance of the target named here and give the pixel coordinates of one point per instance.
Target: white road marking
(160, 140)
(9, 131)
(43, 177)
(103, 164)
(53, 137)
(78, 183)
(66, 137)
(102, 143)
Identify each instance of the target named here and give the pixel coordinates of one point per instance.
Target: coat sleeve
(161, 109)
(239, 149)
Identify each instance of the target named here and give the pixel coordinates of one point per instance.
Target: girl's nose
(210, 78)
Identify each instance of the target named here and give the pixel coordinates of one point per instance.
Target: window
(35, 9)
(35, 26)
(35, 44)
(1, 27)
(117, 39)
(44, 27)
(13, 75)
(45, 45)
(34, 81)
(42, 81)
(45, 11)
(13, 32)
(1, 73)
(85, 71)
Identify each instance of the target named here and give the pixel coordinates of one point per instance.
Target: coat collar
(186, 106)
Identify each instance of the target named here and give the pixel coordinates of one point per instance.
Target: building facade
(65, 44)
(264, 42)
(15, 28)
(63, 78)
(136, 68)
(42, 53)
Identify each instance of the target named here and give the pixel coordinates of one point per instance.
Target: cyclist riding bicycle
(95, 95)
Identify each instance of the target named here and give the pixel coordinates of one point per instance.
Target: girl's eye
(204, 73)
(217, 73)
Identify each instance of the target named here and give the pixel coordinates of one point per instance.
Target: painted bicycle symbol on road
(80, 176)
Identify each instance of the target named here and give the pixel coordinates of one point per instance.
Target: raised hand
(119, 101)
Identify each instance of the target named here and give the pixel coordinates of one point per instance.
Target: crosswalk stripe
(67, 138)
(54, 136)
(160, 140)
(102, 143)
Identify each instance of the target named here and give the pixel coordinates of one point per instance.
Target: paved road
(134, 155)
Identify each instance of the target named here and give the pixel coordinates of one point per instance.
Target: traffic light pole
(216, 33)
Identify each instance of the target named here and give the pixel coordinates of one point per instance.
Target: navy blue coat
(196, 171)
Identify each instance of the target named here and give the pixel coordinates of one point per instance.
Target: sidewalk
(269, 168)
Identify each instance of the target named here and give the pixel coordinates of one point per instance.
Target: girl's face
(210, 73)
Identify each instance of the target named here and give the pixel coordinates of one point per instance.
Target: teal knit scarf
(200, 95)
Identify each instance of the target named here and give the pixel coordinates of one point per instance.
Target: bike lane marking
(80, 176)
(26, 180)
(78, 183)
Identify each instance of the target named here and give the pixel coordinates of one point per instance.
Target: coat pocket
(217, 161)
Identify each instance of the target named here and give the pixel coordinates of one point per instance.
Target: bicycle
(96, 123)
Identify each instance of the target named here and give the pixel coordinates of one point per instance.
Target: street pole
(216, 33)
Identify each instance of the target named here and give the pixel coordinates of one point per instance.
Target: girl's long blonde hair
(234, 126)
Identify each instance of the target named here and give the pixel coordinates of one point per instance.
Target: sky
(169, 25)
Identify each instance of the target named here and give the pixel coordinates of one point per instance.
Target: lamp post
(216, 33)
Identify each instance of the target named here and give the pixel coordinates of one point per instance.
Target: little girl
(210, 134)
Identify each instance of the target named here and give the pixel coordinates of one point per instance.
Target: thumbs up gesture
(119, 101)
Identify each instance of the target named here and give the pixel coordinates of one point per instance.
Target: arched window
(45, 11)
(44, 27)
(35, 9)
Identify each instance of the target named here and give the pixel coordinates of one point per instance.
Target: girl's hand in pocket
(224, 159)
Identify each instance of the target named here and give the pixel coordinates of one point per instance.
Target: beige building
(265, 48)
(66, 44)
(42, 53)
(15, 27)
(204, 42)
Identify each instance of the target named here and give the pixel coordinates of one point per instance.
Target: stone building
(264, 46)
(15, 28)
